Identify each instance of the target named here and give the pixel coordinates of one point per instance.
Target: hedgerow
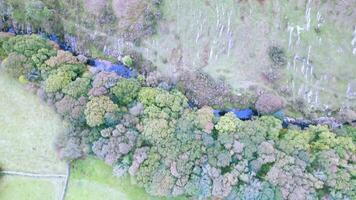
(172, 149)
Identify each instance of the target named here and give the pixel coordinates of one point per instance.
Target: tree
(126, 90)
(96, 109)
(268, 104)
(16, 65)
(36, 49)
(77, 88)
(38, 14)
(227, 123)
(63, 76)
(62, 57)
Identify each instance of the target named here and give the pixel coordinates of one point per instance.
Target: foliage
(63, 76)
(96, 109)
(147, 95)
(16, 65)
(126, 90)
(77, 88)
(36, 49)
(277, 55)
(33, 12)
(172, 149)
(294, 140)
(3, 38)
(62, 57)
(127, 60)
(227, 123)
(37, 13)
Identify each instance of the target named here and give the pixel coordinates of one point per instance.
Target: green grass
(23, 188)
(27, 130)
(92, 179)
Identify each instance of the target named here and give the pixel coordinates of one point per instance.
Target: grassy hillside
(27, 130)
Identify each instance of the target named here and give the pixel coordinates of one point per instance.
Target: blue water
(243, 114)
(107, 66)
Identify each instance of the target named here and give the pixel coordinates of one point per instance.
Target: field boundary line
(35, 175)
(66, 182)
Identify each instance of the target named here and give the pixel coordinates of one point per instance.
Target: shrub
(96, 109)
(277, 55)
(268, 104)
(127, 60)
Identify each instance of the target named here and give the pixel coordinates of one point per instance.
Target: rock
(268, 104)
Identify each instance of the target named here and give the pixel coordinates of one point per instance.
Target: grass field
(23, 188)
(27, 130)
(230, 41)
(92, 179)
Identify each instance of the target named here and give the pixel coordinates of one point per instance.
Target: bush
(127, 60)
(268, 104)
(277, 55)
(38, 14)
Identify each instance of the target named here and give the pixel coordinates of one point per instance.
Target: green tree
(77, 88)
(126, 90)
(96, 109)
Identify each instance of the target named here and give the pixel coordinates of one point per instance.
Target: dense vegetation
(172, 149)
